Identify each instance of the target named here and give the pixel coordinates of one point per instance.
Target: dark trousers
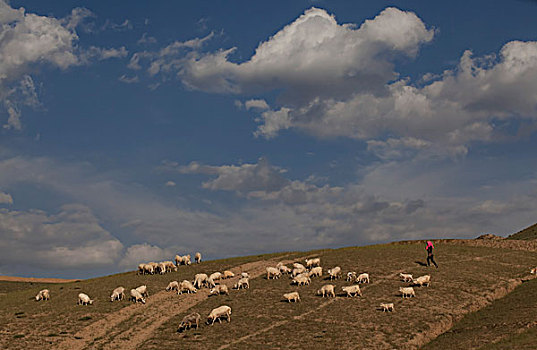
(429, 259)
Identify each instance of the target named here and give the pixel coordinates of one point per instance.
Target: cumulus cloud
(70, 239)
(5, 198)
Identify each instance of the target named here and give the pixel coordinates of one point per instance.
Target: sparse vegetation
(469, 278)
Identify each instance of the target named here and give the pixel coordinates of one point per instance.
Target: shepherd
(430, 255)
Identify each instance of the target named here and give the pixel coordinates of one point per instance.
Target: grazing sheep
(327, 290)
(178, 260)
(352, 291)
(188, 321)
(407, 291)
(334, 273)
(173, 285)
(284, 269)
(197, 257)
(219, 289)
(84, 299)
(297, 271)
(210, 283)
(292, 296)
(149, 269)
(186, 286)
(143, 290)
(228, 274)
(316, 272)
(310, 263)
(273, 272)
(200, 280)
(186, 260)
(170, 266)
(154, 265)
(301, 280)
(243, 283)
(216, 276)
(245, 275)
(351, 276)
(141, 269)
(406, 277)
(426, 279)
(299, 266)
(162, 268)
(386, 307)
(137, 296)
(118, 294)
(43, 295)
(218, 313)
(363, 278)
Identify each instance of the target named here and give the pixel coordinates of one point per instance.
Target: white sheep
(219, 289)
(243, 283)
(245, 275)
(118, 294)
(210, 283)
(173, 285)
(197, 257)
(186, 286)
(273, 272)
(137, 296)
(316, 272)
(299, 266)
(406, 277)
(387, 307)
(284, 269)
(426, 279)
(327, 290)
(301, 280)
(313, 262)
(533, 271)
(143, 290)
(170, 266)
(200, 280)
(352, 291)
(149, 269)
(334, 273)
(178, 260)
(292, 296)
(162, 268)
(188, 321)
(297, 271)
(218, 313)
(228, 274)
(351, 276)
(363, 278)
(186, 259)
(407, 291)
(43, 295)
(141, 269)
(215, 276)
(84, 299)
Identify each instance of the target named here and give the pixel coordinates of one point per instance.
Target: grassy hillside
(469, 278)
(529, 233)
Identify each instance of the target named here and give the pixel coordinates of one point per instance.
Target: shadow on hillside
(421, 263)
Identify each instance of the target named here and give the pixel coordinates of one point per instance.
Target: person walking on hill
(430, 255)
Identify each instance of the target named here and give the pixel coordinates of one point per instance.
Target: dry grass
(469, 278)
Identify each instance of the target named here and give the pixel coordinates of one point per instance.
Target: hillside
(472, 275)
(529, 233)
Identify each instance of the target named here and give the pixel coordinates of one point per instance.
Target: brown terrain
(478, 290)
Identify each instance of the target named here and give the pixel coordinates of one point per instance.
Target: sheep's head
(91, 302)
(38, 297)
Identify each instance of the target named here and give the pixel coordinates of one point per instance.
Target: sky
(131, 131)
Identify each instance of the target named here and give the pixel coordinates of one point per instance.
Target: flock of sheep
(300, 275)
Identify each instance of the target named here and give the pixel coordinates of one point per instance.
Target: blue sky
(132, 131)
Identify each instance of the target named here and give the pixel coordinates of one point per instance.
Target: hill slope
(470, 277)
(529, 233)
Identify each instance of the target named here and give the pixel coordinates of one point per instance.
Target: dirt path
(132, 325)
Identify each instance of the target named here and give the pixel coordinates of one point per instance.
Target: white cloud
(128, 80)
(170, 184)
(70, 239)
(256, 104)
(5, 198)
(147, 40)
